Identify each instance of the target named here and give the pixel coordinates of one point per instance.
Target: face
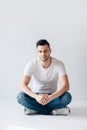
(43, 52)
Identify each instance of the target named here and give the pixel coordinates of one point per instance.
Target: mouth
(44, 59)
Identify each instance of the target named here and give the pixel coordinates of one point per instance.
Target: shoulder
(57, 61)
(32, 62)
(30, 67)
(59, 66)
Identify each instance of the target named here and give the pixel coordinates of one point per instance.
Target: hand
(42, 99)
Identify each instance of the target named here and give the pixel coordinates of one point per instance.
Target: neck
(46, 64)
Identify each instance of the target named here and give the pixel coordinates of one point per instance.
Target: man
(43, 96)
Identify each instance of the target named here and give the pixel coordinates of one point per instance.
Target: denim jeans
(56, 103)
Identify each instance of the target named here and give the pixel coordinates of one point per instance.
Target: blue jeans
(56, 103)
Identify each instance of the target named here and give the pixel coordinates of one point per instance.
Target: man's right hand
(42, 99)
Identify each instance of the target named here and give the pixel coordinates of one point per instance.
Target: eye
(40, 51)
(45, 51)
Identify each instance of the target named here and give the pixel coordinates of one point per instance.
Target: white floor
(13, 118)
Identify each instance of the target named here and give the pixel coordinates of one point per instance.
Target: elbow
(21, 88)
(67, 87)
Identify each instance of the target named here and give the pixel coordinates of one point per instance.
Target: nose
(43, 53)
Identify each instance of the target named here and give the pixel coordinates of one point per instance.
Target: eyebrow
(44, 50)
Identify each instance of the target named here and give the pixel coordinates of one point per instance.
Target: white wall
(23, 22)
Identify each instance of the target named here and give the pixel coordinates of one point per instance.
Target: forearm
(59, 92)
(28, 91)
(40, 98)
(64, 86)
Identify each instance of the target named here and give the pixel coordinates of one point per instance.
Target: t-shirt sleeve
(29, 69)
(61, 69)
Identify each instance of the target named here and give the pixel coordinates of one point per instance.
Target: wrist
(36, 96)
(51, 97)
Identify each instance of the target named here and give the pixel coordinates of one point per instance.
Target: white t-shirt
(44, 80)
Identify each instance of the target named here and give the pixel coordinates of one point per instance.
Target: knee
(20, 97)
(68, 97)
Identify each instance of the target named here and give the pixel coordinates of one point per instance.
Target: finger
(44, 101)
(46, 97)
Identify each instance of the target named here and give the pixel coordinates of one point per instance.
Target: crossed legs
(32, 104)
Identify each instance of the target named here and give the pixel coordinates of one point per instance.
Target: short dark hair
(42, 42)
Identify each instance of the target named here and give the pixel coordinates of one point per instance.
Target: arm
(25, 88)
(42, 98)
(63, 87)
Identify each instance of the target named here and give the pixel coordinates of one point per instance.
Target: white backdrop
(63, 23)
